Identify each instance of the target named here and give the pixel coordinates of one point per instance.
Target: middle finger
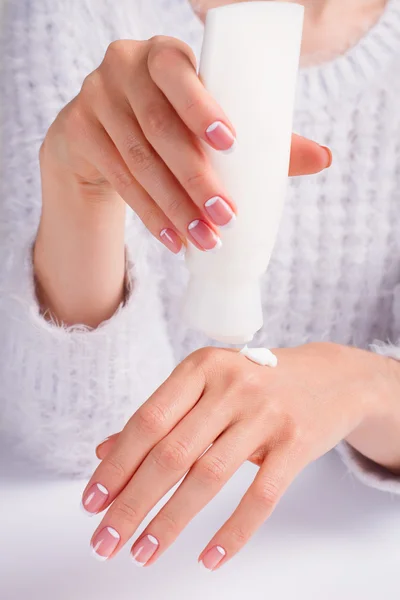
(178, 147)
(164, 466)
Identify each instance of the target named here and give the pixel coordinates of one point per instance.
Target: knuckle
(266, 494)
(293, 432)
(119, 49)
(125, 512)
(168, 520)
(162, 54)
(196, 179)
(171, 456)
(75, 120)
(139, 155)
(159, 39)
(204, 355)
(150, 216)
(151, 419)
(123, 181)
(92, 84)
(193, 104)
(211, 361)
(239, 535)
(252, 381)
(175, 206)
(212, 470)
(164, 43)
(158, 120)
(116, 466)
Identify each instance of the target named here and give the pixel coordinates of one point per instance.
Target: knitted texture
(334, 274)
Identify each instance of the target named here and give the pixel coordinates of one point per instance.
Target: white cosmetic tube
(249, 64)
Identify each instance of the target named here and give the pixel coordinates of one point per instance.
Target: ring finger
(202, 483)
(154, 177)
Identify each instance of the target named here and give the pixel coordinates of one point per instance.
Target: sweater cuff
(136, 270)
(64, 389)
(366, 470)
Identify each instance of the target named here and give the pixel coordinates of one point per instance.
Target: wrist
(378, 434)
(79, 254)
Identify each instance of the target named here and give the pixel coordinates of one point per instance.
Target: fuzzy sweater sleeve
(62, 391)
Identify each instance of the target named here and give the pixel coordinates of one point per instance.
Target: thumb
(308, 157)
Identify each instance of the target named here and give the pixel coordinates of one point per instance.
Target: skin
(280, 419)
(131, 137)
(326, 32)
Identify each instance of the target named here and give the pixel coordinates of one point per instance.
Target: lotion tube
(249, 64)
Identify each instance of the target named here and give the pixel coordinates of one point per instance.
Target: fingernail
(204, 235)
(144, 549)
(171, 240)
(330, 156)
(104, 543)
(95, 498)
(219, 211)
(220, 136)
(213, 557)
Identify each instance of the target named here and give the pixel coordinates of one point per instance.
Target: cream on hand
(260, 356)
(249, 64)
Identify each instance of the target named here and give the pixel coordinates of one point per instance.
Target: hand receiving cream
(249, 63)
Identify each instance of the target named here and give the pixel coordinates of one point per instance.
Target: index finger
(203, 115)
(161, 413)
(167, 64)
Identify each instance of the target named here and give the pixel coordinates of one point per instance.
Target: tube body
(249, 63)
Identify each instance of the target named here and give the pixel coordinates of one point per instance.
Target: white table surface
(331, 538)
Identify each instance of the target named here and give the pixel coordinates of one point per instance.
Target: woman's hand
(133, 132)
(216, 411)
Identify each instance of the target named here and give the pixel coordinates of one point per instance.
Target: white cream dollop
(261, 356)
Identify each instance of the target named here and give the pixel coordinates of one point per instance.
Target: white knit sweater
(335, 272)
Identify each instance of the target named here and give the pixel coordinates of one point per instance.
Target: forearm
(378, 436)
(79, 254)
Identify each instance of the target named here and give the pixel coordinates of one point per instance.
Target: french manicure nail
(221, 137)
(95, 498)
(330, 156)
(171, 240)
(213, 557)
(219, 211)
(144, 549)
(104, 543)
(204, 235)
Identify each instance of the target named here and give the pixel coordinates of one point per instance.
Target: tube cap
(227, 312)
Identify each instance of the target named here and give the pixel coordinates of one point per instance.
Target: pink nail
(329, 156)
(219, 211)
(171, 240)
(105, 542)
(221, 137)
(144, 549)
(213, 557)
(204, 235)
(95, 498)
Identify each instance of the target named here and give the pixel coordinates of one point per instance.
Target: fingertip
(328, 157)
(308, 157)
